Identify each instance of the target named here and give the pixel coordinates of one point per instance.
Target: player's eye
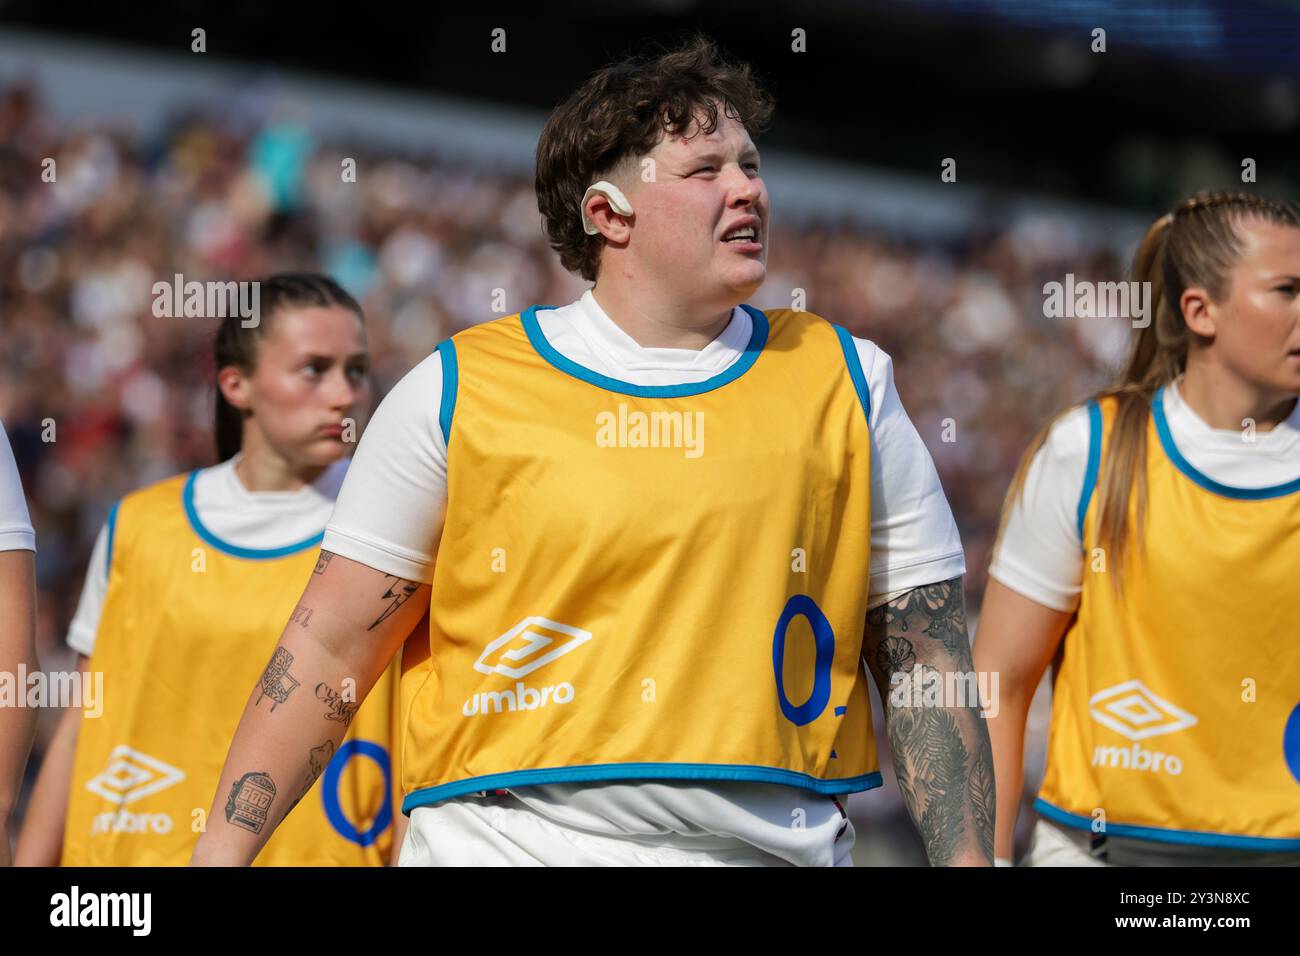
(753, 166)
(705, 169)
(358, 371)
(1288, 289)
(313, 369)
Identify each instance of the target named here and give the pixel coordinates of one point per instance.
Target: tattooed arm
(940, 746)
(347, 627)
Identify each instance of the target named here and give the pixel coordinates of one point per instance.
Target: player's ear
(235, 386)
(1198, 310)
(607, 210)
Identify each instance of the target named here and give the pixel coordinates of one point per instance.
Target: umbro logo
(131, 775)
(1133, 710)
(530, 644)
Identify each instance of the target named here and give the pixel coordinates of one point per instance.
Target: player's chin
(747, 275)
(1287, 378)
(326, 449)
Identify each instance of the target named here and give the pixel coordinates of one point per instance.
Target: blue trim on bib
(854, 363)
(637, 771)
(112, 530)
(1162, 835)
(1094, 465)
(257, 554)
(1206, 482)
(757, 339)
(450, 383)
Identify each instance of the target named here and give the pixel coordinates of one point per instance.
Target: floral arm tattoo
(942, 756)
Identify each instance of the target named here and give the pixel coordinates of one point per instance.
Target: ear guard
(617, 201)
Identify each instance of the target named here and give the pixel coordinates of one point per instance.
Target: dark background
(1010, 87)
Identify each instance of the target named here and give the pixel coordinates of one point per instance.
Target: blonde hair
(1195, 244)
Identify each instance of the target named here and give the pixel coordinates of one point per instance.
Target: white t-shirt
(389, 517)
(232, 513)
(1041, 554)
(16, 532)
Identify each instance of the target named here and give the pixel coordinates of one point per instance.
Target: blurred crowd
(99, 396)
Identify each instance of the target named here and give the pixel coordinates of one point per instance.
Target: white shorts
(505, 832)
(1054, 845)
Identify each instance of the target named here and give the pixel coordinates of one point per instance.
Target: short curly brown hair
(620, 114)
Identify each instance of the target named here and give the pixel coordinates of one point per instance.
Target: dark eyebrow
(749, 152)
(329, 359)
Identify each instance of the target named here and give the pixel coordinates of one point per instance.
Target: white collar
(620, 350)
(323, 490)
(1184, 421)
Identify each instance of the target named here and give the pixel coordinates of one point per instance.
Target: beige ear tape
(617, 201)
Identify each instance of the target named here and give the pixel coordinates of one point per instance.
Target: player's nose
(745, 190)
(344, 393)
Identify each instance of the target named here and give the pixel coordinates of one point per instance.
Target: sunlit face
(1257, 328)
(311, 373)
(703, 186)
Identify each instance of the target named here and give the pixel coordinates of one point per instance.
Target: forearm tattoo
(276, 682)
(397, 594)
(942, 756)
(250, 798)
(318, 759)
(337, 707)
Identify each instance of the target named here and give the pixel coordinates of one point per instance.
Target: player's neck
(260, 468)
(1223, 401)
(660, 325)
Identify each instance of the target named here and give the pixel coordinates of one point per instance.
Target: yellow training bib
(188, 624)
(1176, 710)
(648, 582)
